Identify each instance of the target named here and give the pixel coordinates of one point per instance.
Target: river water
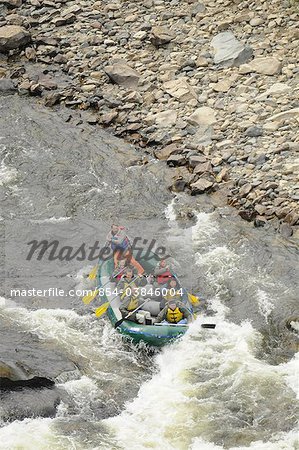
(232, 387)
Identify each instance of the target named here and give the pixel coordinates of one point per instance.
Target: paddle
(92, 275)
(119, 322)
(192, 298)
(203, 325)
(90, 297)
(103, 308)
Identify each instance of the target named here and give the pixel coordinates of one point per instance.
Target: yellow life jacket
(133, 304)
(174, 316)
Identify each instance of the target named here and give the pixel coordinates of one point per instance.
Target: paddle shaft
(203, 325)
(119, 322)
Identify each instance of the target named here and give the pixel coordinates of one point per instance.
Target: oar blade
(93, 273)
(90, 297)
(208, 325)
(193, 299)
(118, 323)
(102, 309)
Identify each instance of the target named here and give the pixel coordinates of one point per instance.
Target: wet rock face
(24, 357)
(13, 37)
(6, 384)
(20, 400)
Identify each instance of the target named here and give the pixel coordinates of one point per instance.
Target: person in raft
(128, 281)
(121, 247)
(129, 302)
(173, 291)
(162, 272)
(175, 312)
(119, 270)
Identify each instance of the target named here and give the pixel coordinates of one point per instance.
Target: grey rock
(7, 86)
(176, 160)
(285, 230)
(244, 190)
(13, 3)
(180, 89)
(197, 9)
(161, 36)
(194, 160)
(203, 168)
(65, 20)
(264, 66)
(165, 152)
(123, 75)
(229, 51)
(254, 131)
(13, 37)
(200, 186)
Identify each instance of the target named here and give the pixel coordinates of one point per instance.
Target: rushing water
(232, 387)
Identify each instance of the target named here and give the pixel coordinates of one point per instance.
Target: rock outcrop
(13, 37)
(183, 80)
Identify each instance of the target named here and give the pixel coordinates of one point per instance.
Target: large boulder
(229, 51)
(165, 119)
(203, 116)
(263, 65)
(180, 89)
(164, 152)
(161, 36)
(200, 186)
(13, 37)
(122, 74)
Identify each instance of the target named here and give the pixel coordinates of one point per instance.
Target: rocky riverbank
(211, 88)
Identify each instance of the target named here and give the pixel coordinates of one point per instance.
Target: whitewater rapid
(211, 390)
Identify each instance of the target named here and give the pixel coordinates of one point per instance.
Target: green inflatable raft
(154, 335)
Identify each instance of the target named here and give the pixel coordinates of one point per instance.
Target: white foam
(283, 441)
(83, 392)
(196, 379)
(204, 229)
(30, 434)
(51, 220)
(290, 371)
(7, 174)
(265, 305)
(170, 211)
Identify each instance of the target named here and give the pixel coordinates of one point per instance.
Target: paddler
(128, 280)
(119, 270)
(175, 312)
(121, 247)
(129, 302)
(162, 272)
(173, 291)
